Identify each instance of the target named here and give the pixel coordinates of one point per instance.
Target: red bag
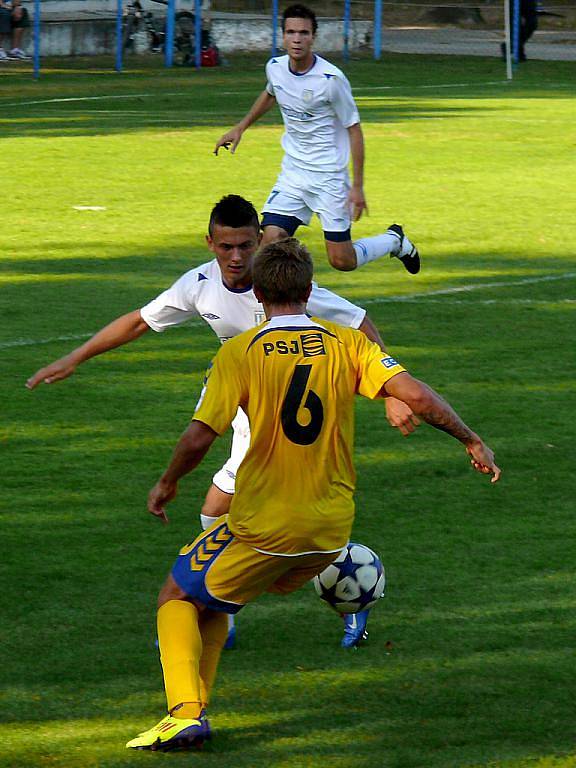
(209, 57)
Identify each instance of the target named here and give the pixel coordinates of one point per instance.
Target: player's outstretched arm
(120, 331)
(399, 414)
(231, 138)
(189, 452)
(438, 413)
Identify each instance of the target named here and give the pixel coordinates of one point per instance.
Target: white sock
(372, 248)
(206, 521)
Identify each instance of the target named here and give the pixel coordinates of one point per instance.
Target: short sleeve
(329, 306)
(223, 391)
(374, 367)
(269, 86)
(173, 307)
(343, 102)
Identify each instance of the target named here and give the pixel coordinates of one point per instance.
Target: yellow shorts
(224, 574)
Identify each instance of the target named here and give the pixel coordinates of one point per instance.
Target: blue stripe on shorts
(190, 569)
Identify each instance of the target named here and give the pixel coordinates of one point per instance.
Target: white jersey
(317, 107)
(228, 311)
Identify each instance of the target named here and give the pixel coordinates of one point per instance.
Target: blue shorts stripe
(288, 223)
(192, 565)
(338, 237)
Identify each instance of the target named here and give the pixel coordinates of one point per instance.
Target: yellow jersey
(296, 378)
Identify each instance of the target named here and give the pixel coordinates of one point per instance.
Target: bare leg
(17, 35)
(216, 503)
(272, 233)
(17, 32)
(346, 256)
(171, 591)
(341, 256)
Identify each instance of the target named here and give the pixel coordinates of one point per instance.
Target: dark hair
(233, 211)
(282, 272)
(298, 11)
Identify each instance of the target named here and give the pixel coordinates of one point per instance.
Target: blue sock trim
(338, 237)
(288, 223)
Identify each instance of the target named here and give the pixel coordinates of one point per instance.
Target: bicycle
(136, 19)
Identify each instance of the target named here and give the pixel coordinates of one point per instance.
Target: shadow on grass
(181, 114)
(89, 103)
(101, 258)
(480, 631)
(447, 705)
(124, 280)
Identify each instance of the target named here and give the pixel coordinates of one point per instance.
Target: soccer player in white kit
(220, 292)
(322, 130)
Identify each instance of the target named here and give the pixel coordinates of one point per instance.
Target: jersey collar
(299, 74)
(279, 321)
(236, 290)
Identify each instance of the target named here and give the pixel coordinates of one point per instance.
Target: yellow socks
(180, 651)
(190, 645)
(214, 630)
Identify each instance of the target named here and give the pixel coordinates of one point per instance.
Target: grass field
(470, 662)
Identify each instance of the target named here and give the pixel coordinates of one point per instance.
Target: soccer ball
(353, 582)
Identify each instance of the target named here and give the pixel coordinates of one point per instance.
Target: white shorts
(301, 193)
(225, 478)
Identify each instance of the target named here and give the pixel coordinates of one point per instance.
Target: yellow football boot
(173, 733)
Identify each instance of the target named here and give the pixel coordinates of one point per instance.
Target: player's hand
(482, 459)
(230, 140)
(56, 371)
(401, 416)
(357, 203)
(159, 496)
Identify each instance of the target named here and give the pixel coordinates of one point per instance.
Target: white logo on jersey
(307, 96)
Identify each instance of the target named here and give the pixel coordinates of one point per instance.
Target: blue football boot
(354, 629)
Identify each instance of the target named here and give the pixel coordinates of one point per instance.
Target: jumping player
(322, 130)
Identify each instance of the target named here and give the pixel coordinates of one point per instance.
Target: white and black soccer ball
(354, 581)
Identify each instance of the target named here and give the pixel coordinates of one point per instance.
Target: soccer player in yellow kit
(296, 378)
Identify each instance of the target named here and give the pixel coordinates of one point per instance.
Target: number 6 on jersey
(294, 431)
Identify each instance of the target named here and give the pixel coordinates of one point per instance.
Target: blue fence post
(347, 12)
(274, 26)
(198, 33)
(36, 33)
(377, 29)
(516, 31)
(169, 38)
(119, 41)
